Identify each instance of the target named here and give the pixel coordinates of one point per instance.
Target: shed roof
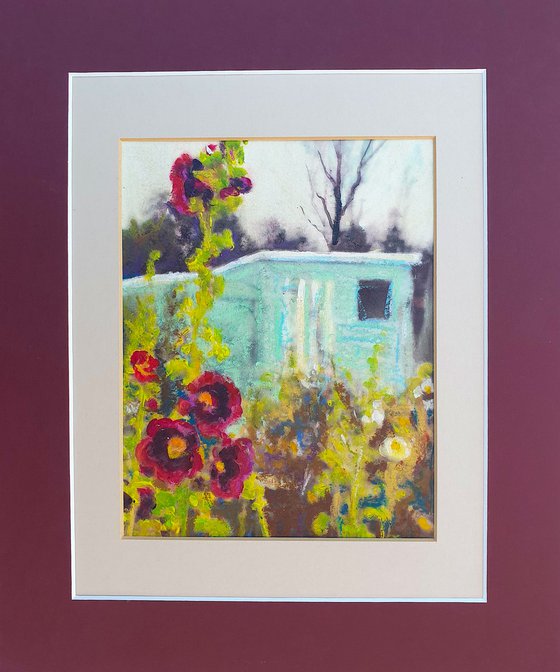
(388, 258)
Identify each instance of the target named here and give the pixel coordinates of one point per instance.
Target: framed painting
(282, 319)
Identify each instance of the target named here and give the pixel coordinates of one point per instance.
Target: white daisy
(377, 414)
(427, 386)
(395, 449)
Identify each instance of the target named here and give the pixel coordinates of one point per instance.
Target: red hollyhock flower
(184, 185)
(237, 186)
(144, 366)
(226, 192)
(232, 464)
(214, 401)
(171, 452)
(242, 184)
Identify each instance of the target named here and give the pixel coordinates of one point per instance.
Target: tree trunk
(337, 215)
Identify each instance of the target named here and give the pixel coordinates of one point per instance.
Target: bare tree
(335, 203)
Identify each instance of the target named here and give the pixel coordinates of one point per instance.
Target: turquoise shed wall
(277, 302)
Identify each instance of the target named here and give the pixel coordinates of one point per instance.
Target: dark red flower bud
(242, 184)
(147, 503)
(185, 406)
(152, 405)
(226, 192)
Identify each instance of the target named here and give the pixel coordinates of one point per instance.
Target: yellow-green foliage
(151, 264)
(345, 454)
(141, 332)
(321, 524)
(363, 484)
(174, 509)
(254, 492)
(185, 343)
(198, 340)
(320, 436)
(211, 527)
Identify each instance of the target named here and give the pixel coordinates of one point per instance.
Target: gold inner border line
(286, 138)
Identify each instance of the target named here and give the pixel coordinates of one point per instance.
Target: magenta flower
(237, 186)
(232, 464)
(185, 185)
(214, 401)
(171, 451)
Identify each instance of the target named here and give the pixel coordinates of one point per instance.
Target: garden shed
(326, 309)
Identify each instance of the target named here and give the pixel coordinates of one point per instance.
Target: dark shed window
(374, 299)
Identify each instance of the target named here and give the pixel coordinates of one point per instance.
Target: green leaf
(425, 370)
(165, 498)
(380, 513)
(359, 530)
(211, 527)
(177, 368)
(320, 490)
(252, 489)
(237, 171)
(321, 524)
(147, 528)
(151, 264)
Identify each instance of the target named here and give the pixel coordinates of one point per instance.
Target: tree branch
(338, 152)
(329, 176)
(364, 160)
(325, 208)
(321, 231)
(313, 194)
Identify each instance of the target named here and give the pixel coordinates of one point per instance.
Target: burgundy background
(42, 629)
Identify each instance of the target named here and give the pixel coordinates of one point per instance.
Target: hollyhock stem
(335, 507)
(259, 505)
(242, 519)
(353, 514)
(131, 519)
(139, 426)
(263, 523)
(183, 508)
(198, 263)
(141, 413)
(185, 520)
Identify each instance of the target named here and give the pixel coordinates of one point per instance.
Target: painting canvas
(278, 337)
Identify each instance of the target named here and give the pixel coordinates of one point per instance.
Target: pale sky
(398, 178)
